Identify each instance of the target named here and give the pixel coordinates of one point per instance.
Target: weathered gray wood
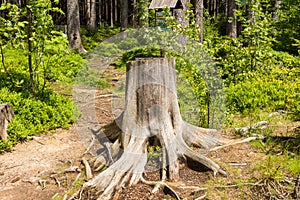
(151, 110)
(6, 115)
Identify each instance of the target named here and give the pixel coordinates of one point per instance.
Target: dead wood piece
(237, 164)
(56, 180)
(103, 160)
(234, 142)
(201, 197)
(247, 130)
(296, 192)
(160, 185)
(68, 170)
(76, 179)
(88, 170)
(65, 197)
(6, 115)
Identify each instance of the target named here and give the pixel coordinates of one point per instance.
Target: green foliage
(154, 152)
(287, 27)
(190, 30)
(32, 33)
(34, 116)
(192, 88)
(276, 167)
(255, 75)
(40, 109)
(91, 40)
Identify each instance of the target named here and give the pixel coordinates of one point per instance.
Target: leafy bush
(34, 116)
(277, 91)
(91, 40)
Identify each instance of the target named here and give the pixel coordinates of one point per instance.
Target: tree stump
(152, 111)
(6, 115)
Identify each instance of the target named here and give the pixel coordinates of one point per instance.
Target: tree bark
(100, 13)
(232, 22)
(91, 12)
(29, 43)
(73, 26)
(6, 115)
(124, 16)
(199, 18)
(151, 110)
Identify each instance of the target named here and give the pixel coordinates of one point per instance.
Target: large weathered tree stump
(6, 115)
(152, 111)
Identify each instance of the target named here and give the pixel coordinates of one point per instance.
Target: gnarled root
(127, 170)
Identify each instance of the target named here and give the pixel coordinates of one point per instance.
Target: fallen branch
(56, 180)
(88, 170)
(197, 188)
(201, 197)
(76, 179)
(237, 142)
(296, 189)
(68, 170)
(246, 130)
(65, 197)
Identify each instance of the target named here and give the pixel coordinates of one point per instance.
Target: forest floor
(49, 166)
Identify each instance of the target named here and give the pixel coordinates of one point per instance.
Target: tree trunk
(91, 12)
(232, 22)
(29, 43)
(199, 18)
(73, 25)
(124, 16)
(251, 13)
(180, 13)
(151, 110)
(100, 13)
(6, 115)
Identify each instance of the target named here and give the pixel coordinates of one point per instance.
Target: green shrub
(277, 91)
(35, 115)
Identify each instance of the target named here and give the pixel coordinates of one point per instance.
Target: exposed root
(160, 185)
(234, 142)
(127, 170)
(107, 157)
(88, 171)
(201, 137)
(56, 180)
(188, 152)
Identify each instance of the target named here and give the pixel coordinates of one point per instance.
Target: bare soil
(34, 169)
(25, 171)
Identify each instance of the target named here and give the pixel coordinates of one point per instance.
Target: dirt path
(23, 170)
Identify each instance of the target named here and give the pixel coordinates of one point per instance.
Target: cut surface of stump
(6, 115)
(152, 111)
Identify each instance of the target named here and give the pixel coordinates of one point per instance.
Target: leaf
(21, 24)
